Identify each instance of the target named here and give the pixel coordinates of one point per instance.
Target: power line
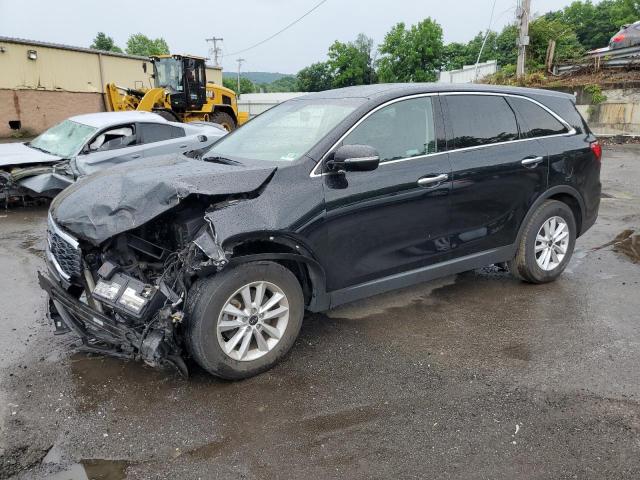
(278, 32)
(484, 42)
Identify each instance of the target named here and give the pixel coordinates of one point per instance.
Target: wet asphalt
(476, 376)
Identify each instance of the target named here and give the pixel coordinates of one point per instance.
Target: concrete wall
(62, 81)
(467, 74)
(619, 114)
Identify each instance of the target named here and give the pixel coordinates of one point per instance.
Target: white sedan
(86, 144)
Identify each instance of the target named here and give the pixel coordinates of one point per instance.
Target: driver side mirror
(354, 158)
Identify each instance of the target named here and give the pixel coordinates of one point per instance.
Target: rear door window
(535, 121)
(477, 120)
(158, 132)
(403, 129)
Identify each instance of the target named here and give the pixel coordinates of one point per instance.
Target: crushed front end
(127, 296)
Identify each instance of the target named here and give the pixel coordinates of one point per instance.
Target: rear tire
(167, 115)
(546, 244)
(218, 315)
(224, 119)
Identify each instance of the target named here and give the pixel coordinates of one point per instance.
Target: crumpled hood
(20, 154)
(123, 198)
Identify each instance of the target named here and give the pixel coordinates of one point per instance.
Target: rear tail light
(617, 38)
(596, 148)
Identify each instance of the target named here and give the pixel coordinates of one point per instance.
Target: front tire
(546, 244)
(244, 320)
(224, 119)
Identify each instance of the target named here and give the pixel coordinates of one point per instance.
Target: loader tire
(224, 119)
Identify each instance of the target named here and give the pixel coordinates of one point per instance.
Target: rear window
(158, 132)
(535, 120)
(480, 120)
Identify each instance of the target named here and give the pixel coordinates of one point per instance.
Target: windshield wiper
(222, 160)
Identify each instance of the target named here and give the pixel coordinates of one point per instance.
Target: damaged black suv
(324, 199)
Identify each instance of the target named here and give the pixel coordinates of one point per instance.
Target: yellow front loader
(180, 93)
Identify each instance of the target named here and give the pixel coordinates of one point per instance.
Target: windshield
(168, 74)
(285, 132)
(65, 139)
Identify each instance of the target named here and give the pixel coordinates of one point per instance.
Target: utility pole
(523, 12)
(239, 60)
(215, 50)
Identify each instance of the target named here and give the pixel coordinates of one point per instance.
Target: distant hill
(258, 77)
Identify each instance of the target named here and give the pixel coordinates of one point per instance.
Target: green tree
(105, 43)
(246, 85)
(314, 78)
(143, 46)
(411, 55)
(284, 84)
(454, 56)
(541, 31)
(595, 24)
(351, 63)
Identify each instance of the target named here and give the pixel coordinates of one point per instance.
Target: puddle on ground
(94, 469)
(99, 378)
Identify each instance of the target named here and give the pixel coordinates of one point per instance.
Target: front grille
(68, 256)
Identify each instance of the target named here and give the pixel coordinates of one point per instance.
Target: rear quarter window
(477, 120)
(535, 121)
(158, 132)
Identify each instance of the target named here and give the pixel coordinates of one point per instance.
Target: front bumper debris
(84, 320)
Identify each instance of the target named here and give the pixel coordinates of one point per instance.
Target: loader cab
(185, 79)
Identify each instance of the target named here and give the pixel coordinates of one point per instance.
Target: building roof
(105, 119)
(59, 46)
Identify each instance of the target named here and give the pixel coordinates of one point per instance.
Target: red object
(596, 148)
(618, 38)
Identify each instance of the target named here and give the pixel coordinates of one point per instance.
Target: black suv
(324, 199)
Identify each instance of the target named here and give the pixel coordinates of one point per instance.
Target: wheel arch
(289, 253)
(562, 193)
(226, 109)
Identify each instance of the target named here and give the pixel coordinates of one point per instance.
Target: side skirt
(420, 275)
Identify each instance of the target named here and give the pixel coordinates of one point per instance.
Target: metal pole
(240, 60)
(216, 50)
(523, 40)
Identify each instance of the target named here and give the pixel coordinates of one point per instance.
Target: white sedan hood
(18, 154)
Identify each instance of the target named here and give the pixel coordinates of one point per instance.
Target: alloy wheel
(552, 242)
(252, 321)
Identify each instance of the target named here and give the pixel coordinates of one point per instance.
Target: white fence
(256, 103)
(468, 74)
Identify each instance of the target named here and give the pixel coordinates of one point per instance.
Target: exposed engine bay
(139, 282)
(39, 181)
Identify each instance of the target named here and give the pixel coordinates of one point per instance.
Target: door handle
(183, 146)
(430, 181)
(532, 162)
(135, 155)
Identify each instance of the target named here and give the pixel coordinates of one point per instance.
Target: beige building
(44, 83)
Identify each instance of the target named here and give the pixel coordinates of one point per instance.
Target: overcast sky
(184, 24)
